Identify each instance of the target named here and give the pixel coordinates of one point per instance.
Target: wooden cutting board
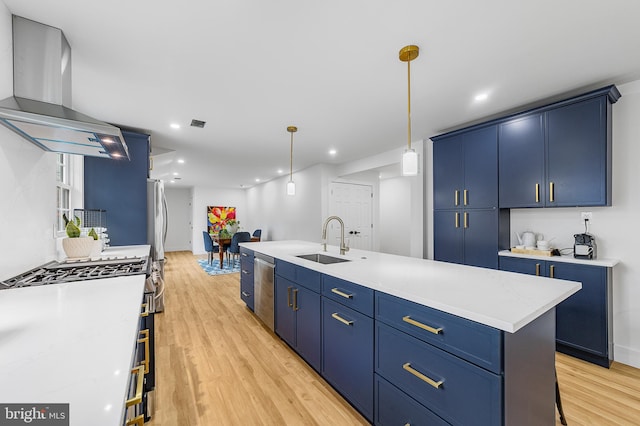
(534, 252)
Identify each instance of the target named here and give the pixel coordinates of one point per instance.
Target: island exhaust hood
(40, 109)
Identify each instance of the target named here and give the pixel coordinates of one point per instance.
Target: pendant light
(291, 186)
(410, 156)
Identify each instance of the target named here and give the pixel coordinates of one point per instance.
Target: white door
(353, 204)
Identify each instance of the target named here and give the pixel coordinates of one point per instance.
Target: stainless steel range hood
(40, 109)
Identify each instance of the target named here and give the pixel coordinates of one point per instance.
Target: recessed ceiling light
(176, 173)
(180, 160)
(332, 152)
(175, 126)
(481, 97)
(172, 181)
(280, 171)
(257, 179)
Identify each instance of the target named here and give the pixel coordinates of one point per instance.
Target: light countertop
(503, 300)
(126, 251)
(71, 343)
(607, 263)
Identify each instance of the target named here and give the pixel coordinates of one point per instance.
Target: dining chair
(209, 247)
(257, 234)
(234, 248)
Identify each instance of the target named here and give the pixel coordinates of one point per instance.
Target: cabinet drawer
(349, 294)
(299, 275)
(246, 255)
(467, 339)
(394, 407)
(246, 289)
(459, 392)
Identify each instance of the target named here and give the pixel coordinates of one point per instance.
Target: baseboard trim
(626, 355)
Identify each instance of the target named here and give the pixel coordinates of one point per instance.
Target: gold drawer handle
(537, 269)
(340, 293)
(551, 194)
(552, 271)
(289, 304)
(465, 194)
(137, 421)
(137, 399)
(537, 192)
(457, 220)
(466, 220)
(295, 299)
(419, 375)
(145, 310)
(342, 320)
(245, 294)
(456, 198)
(145, 340)
(421, 325)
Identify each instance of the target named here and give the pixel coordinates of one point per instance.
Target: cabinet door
(347, 354)
(307, 308)
(581, 320)
(448, 176)
(521, 162)
(481, 238)
(447, 236)
(577, 154)
(284, 314)
(246, 286)
(480, 168)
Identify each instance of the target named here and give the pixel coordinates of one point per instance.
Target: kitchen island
(439, 342)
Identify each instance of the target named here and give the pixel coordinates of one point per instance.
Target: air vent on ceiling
(198, 123)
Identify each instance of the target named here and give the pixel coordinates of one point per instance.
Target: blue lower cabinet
(394, 407)
(456, 390)
(246, 277)
(284, 315)
(347, 354)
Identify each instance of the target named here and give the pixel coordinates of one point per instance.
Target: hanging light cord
(409, 102)
(291, 160)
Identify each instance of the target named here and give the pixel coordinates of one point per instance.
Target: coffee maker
(584, 246)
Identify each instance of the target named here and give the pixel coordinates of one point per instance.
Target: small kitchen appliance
(584, 246)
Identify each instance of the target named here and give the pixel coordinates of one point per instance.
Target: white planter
(78, 247)
(232, 229)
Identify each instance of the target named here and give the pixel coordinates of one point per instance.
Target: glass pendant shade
(291, 188)
(409, 162)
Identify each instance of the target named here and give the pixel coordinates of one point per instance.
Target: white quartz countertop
(608, 263)
(126, 251)
(503, 300)
(71, 343)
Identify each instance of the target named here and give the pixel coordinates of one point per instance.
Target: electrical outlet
(586, 216)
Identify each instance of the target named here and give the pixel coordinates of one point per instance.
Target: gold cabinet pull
(145, 310)
(342, 320)
(537, 192)
(466, 219)
(145, 340)
(137, 421)
(419, 375)
(245, 294)
(465, 193)
(340, 293)
(457, 220)
(430, 329)
(551, 194)
(295, 299)
(244, 271)
(289, 304)
(137, 399)
(552, 270)
(456, 198)
(537, 269)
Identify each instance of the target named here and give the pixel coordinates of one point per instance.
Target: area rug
(214, 268)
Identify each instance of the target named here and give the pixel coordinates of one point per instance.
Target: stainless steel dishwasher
(263, 268)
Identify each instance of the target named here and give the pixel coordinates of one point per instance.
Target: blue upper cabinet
(120, 188)
(465, 169)
(558, 155)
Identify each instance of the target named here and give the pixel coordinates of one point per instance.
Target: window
(63, 186)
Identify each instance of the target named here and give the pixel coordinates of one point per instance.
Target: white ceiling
(250, 68)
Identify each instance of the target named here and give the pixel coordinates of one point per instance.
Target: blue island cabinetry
(400, 362)
(246, 277)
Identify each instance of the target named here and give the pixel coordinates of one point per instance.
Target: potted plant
(74, 245)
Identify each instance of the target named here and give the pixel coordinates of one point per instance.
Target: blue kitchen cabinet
(558, 155)
(347, 354)
(120, 188)
(584, 320)
(521, 162)
(297, 310)
(465, 169)
(246, 277)
(471, 236)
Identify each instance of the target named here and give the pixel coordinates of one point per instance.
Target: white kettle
(528, 239)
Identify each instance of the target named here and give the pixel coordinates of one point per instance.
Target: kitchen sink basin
(322, 258)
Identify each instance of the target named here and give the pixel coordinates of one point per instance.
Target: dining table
(226, 242)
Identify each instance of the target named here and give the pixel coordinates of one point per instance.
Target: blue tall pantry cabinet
(120, 188)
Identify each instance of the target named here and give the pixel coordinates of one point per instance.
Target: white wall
(180, 216)
(27, 185)
(208, 196)
(395, 218)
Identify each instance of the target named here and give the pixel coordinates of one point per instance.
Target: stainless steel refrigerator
(156, 237)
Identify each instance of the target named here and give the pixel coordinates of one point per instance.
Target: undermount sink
(322, 258)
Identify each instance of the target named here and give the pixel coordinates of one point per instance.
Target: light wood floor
(218, 365)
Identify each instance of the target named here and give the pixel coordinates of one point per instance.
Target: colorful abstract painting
(218, 217)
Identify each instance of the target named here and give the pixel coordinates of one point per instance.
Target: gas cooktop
(78, 270)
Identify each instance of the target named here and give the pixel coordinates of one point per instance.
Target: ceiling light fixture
(175, 126)
(291, 186)
(410, 157)
(332, 152)
(481, 97)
